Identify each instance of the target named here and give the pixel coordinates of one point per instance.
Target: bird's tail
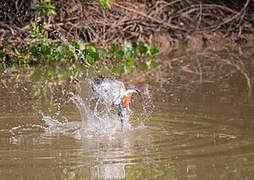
(120, 112)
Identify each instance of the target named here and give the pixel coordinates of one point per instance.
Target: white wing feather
(111, 91)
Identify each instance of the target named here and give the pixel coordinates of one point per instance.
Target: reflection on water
(181, 131)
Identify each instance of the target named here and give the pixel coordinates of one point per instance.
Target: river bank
(167, 25)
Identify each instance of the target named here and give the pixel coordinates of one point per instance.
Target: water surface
(199, 130)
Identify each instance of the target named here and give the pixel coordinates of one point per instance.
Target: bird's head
(132, 89)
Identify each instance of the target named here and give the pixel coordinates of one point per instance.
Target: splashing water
(100, 118)
(148, 106)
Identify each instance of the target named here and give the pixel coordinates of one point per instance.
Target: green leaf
(15, 50)
(118, 54)
(91, 45)
(142, 66)
(128, 65)
(50, 7)
(103, 52)
(75, 44)
(41, 13)
(35, 75)
(104, 3)
(127, 69)
(35, 51)
(127, 45)
(59, 57)
(115, 70)
(82, 45)
(49, 58)
(129, 60)
(129, 53)
(60, 50)
(45, 50)
(70, 53)
(121, 54)
(75, 56)
(152, 51)
(107, 4)
(34, 6)
(142, 49)
(16, 60)
(89, 59)
(40, 29)
(128, 50)
(32, 26)
(51, 11)
(36, 91)
(152, 63)
(113, 48)
(95, 56)
(92, 52)
(103, 69)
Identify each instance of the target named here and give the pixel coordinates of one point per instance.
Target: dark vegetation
(33, 36)
(131, 20)
(51, 24)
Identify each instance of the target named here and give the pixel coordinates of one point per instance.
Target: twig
(149, 17)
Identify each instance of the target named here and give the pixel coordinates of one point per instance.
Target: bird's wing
(111, 91)
(117, 91)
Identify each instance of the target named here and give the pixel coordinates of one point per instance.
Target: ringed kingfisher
(113, 92)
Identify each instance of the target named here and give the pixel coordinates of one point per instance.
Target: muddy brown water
(206, 132)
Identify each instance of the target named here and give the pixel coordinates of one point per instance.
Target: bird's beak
(138, 91)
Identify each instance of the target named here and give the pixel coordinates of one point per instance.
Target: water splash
(147, 107)
(54, 126)
(99, 118)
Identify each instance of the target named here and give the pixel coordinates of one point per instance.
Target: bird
(113, 92)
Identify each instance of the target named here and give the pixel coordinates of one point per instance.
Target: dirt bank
(167, 24)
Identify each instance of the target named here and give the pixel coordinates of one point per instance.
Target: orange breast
(126, 100)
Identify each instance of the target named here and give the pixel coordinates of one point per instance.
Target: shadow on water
(190, 128)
